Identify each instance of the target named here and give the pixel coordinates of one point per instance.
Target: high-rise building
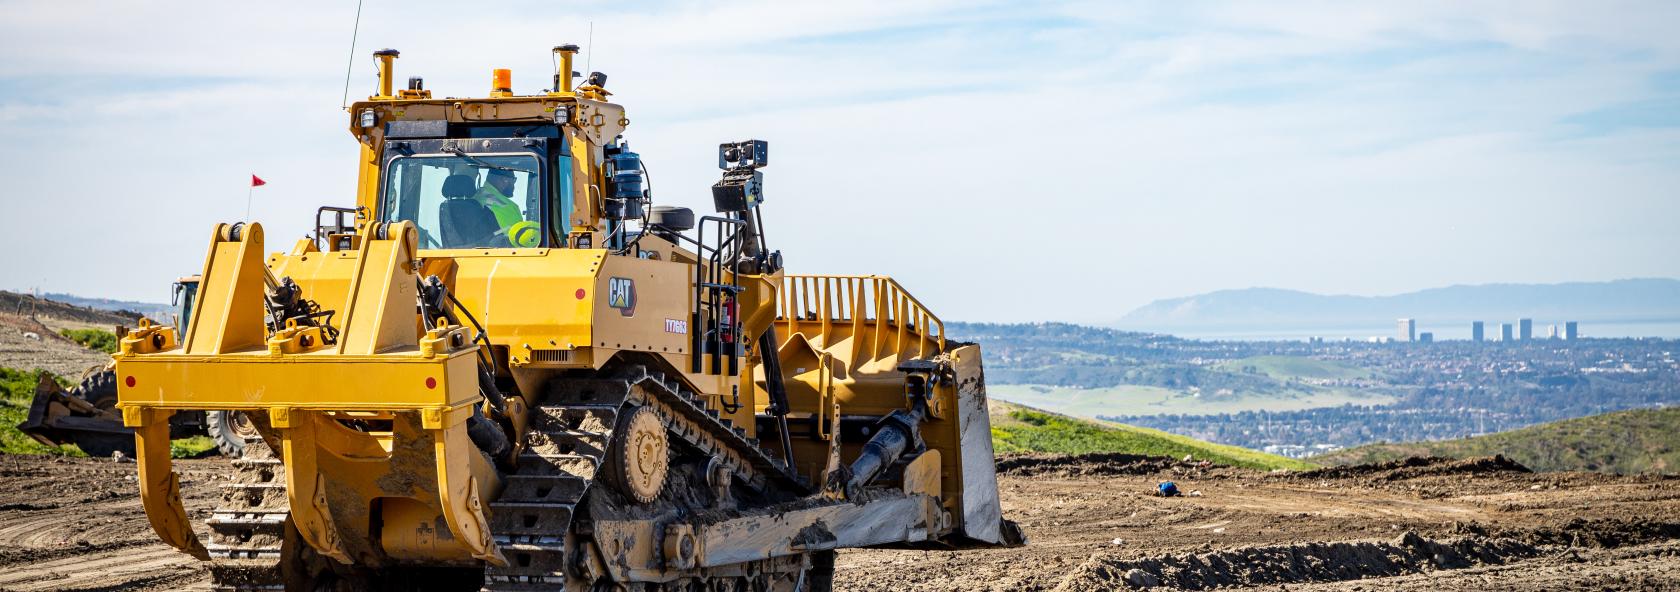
(1525, 329)
(1504, 331)
(1426, 337)
(1476, 333)
(1552, 332)
(1570, 331)
(1408, 330)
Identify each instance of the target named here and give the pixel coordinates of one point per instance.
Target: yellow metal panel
(543, 302)
(229, 315)
(661, 293)
(367, 179)
(317, 380)
(379, 313)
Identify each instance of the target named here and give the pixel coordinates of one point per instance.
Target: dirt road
(77, 525)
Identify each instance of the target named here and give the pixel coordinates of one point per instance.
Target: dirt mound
(1597, 533)
(1308, 562)
(1099, 464)
(1417, 466)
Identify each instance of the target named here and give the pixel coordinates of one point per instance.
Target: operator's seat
(463, 221)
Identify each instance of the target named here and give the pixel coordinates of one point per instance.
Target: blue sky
(1006, 161)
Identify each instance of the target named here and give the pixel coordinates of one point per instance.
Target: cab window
(467, 201)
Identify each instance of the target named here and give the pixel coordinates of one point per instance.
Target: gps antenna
(351, 61)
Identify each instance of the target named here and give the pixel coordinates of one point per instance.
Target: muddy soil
(1420, 524)
(76, 524)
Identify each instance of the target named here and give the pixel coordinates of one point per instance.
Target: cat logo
(621, 294)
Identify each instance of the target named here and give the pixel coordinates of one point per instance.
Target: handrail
(855, 300)
(709, 289)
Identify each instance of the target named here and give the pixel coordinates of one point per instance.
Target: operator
(497, 194)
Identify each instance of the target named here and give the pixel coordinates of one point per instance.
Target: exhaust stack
(387, 62)
(563, 73)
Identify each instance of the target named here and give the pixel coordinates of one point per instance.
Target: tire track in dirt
(125, 568)
(68, 527)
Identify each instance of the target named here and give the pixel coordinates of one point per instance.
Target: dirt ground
(28, 344)
(76, 524)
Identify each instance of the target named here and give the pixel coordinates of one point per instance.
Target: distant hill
(58, 307)
(1620, 300)
(1017, 428)
(1635, 441)
(152, 310)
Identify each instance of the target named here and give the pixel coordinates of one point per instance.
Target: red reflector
(580, 293)
(431, 383)
(129, 381)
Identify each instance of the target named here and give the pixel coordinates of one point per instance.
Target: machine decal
(676, 326)
(621, 294)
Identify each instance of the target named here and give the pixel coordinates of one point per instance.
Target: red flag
(257, 181)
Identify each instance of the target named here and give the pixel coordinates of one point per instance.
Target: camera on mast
(742, 187)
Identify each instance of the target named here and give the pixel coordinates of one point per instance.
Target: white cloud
(1065, 161)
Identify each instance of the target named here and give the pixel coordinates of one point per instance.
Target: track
(565, 449)
(248, 526)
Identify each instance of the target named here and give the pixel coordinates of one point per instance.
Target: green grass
(1287, 367)
(1635, 441)
(1020, 429)
(17, 389)
(94, 339)
(1129, 399)
(191, 447)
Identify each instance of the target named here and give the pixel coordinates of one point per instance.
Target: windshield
(467, 201)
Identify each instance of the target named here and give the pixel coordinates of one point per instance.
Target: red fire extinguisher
(727, 328)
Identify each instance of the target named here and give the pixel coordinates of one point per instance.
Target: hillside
(1624, 442)
(156, 310)
(1630, 299)
(53, 307)
(1017, 428)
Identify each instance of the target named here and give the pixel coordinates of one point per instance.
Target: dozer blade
(58, 417)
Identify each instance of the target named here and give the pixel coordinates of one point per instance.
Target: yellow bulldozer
(505, 369)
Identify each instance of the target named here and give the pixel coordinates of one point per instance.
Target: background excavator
(504, 369)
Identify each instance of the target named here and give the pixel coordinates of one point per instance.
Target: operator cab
(492, 193)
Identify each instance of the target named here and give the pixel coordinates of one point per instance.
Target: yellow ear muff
(525, 233)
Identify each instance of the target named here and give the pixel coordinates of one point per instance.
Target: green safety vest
(507, 212)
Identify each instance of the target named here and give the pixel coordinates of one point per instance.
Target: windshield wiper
(457, 151)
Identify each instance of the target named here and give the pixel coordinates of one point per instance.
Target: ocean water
(1660, 329)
